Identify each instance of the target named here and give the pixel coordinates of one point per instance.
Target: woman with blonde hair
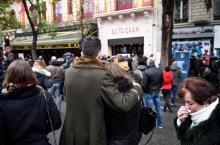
(24, 108)
(43, 75)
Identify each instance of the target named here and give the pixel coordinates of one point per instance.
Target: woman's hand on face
(183, 113)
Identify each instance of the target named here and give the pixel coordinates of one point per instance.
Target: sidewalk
(166, 135)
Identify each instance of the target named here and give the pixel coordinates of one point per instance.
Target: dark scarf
(12, 87)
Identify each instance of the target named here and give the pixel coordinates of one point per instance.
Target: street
(164, 136)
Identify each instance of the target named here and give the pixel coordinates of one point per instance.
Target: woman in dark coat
(23, 116)
(122, 127)
(198, 122)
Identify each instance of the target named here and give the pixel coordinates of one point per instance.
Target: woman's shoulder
(21, 93)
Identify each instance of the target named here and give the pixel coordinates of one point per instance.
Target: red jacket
(167, 80)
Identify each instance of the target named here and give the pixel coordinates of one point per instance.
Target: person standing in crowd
(88, 88)
(122, 62)
(23, 112)
(166, 88)
(152, 83)
(122, 128)
(43, 75)
(177, 78)
(192, 65)
(142, 66)
(198, 121)
(135, 62)
(57, 79)
(199, 67)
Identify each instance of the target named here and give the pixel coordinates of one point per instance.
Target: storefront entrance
(134, 45)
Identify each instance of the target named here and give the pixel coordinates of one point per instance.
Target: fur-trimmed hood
(206, 133)
(41, 71)
(87, 62)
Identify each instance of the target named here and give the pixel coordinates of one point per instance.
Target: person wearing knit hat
(89, 89)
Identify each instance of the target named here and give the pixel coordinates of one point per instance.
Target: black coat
(206, 133)
(44, 80)
(24, 119)
(153, 80)
(122, 127)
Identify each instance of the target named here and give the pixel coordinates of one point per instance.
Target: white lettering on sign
(125, 30)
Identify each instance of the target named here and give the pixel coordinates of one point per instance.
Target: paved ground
(164, 136)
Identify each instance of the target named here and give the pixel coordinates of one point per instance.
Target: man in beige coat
(88, 88)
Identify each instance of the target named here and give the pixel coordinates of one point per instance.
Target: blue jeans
(55, 92)
(174, 92)
(151, 98)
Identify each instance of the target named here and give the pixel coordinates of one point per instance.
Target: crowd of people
(103, 100)
(207, 67)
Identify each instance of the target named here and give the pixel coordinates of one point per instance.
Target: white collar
(203, 114)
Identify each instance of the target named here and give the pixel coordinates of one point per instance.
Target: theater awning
(122, 41)
(62, 40)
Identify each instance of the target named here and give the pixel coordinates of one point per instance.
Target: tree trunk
(34, 32)
(81, 21)
(167, 31)
(33, 47)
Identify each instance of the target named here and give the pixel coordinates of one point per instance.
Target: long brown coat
(88, 88)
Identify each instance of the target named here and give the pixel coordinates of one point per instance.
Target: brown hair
(19, 71)
(39, 64)
(201, 90)
(117, 73)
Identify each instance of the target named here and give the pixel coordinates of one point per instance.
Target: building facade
(125, 26)
(65, 14)
(196, 20)
(60, 12)
(129, 26)
(196, 30)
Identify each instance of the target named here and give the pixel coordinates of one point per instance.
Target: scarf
(12, 87)
(203, 114)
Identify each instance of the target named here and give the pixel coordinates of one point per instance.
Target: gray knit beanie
(91, 46)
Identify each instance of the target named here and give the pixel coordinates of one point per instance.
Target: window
(180, 11)
(58, 12)
(216, 10)
(88, 6)
(101, 6)
(111, 5)
(124, 4)
(88, 9)
(59, 8)
(44, 10)
(70, 6)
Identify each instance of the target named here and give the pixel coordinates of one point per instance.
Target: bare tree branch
(31, 2)
(28, 16)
